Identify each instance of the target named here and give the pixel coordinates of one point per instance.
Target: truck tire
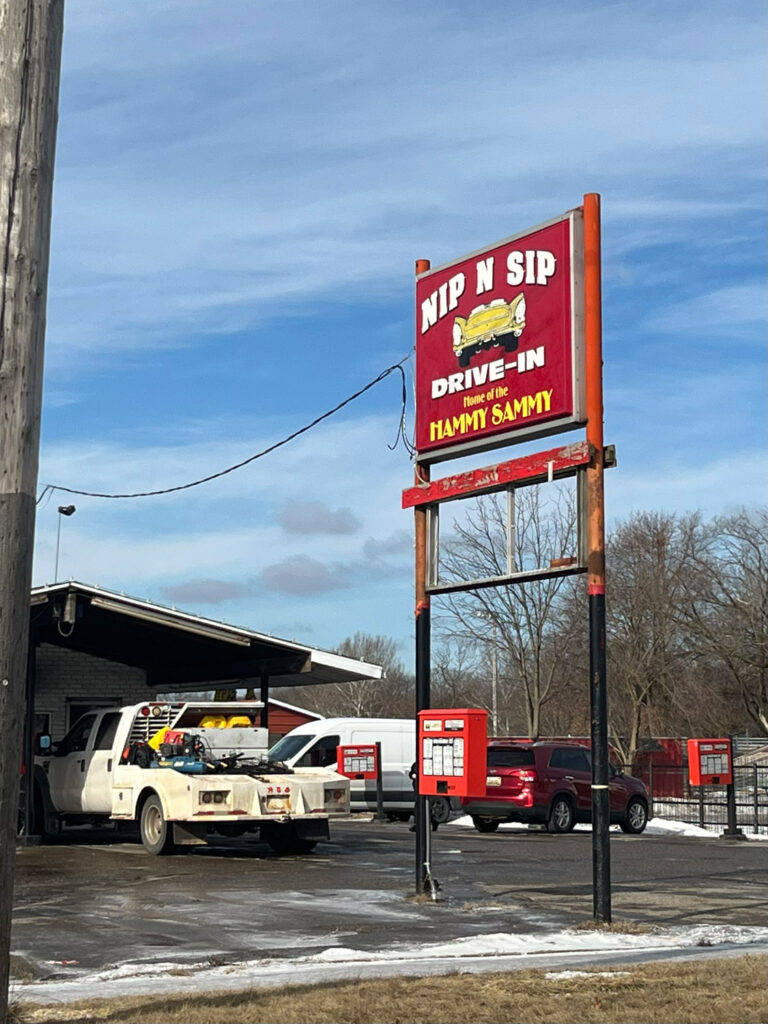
(156, 833)
(284, 840)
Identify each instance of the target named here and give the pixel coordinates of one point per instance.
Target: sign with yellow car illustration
(499, 348)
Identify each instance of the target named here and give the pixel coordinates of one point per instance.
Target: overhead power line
(50, 488)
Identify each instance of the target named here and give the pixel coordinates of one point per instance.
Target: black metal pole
(264, 698)
(593, 359)
(732, 829)
(379, 785)
(422, 666)
(421, 816)
(601, 856)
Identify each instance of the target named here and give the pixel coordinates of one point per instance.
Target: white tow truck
(184, 772)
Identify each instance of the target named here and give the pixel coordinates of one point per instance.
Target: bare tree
(390, 697)
(649, 574)
(727, 608)
(519, 618)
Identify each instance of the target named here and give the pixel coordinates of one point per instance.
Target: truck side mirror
(43, 744)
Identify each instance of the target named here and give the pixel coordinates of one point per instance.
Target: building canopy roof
(179, 651)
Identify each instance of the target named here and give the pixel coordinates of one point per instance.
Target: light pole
(487, 617)
(64, 510)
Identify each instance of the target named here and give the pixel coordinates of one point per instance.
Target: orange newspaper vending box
(710, 762)
(452, 755)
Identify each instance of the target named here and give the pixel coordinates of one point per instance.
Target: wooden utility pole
(30, 59)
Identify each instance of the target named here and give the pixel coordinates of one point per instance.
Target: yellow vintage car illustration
(497, 323)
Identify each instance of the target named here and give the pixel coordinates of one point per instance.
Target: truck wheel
(283, 841)
(156, 833)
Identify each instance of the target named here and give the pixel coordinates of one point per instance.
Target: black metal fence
(673, 798)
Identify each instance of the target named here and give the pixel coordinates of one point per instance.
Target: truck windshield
(288, 747)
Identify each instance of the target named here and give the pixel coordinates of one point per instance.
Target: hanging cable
(50, 488)
(401, 429)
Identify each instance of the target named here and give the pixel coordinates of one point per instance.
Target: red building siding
(283, 720)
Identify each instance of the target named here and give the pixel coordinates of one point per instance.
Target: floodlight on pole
(64, 510)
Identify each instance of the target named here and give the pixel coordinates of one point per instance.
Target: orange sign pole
(593, 343)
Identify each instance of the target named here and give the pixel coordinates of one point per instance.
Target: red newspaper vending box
(358, 762)
(452, 752)
(710, 762)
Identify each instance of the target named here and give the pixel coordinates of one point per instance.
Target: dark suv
(550, 783)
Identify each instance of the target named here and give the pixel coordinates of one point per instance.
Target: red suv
(550, 783)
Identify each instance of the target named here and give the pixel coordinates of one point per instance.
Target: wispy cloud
(725, 312)
(301, 575)
(314, 517)
(205, 592)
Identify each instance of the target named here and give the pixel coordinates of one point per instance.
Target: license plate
(493, 780)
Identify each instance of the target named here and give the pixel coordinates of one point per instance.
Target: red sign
(499, 353)
(358, 762)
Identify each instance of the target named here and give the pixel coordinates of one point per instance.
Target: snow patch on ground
(655, 827)
(498, 951)
(567, 975)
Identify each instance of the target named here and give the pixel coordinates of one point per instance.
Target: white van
(314, 744)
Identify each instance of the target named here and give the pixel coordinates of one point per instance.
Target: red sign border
(578, 357)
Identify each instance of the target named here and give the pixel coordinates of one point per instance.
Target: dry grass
(725, 991)
(21, 969)
(620, 927)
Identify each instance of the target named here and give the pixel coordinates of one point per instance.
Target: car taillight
(527, 776)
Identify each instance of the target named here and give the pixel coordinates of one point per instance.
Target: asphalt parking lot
(101, 900)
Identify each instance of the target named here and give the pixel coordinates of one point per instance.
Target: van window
(288, 747)
(321, 754)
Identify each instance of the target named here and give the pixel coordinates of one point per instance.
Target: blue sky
(241, 192)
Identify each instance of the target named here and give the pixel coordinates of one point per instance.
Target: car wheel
(510, 342)
(156, 833)
(636, 817)
(561, 816)
(464, 357)
(485, 825)
(439, 810)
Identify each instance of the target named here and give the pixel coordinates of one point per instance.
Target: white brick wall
(64, 675)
